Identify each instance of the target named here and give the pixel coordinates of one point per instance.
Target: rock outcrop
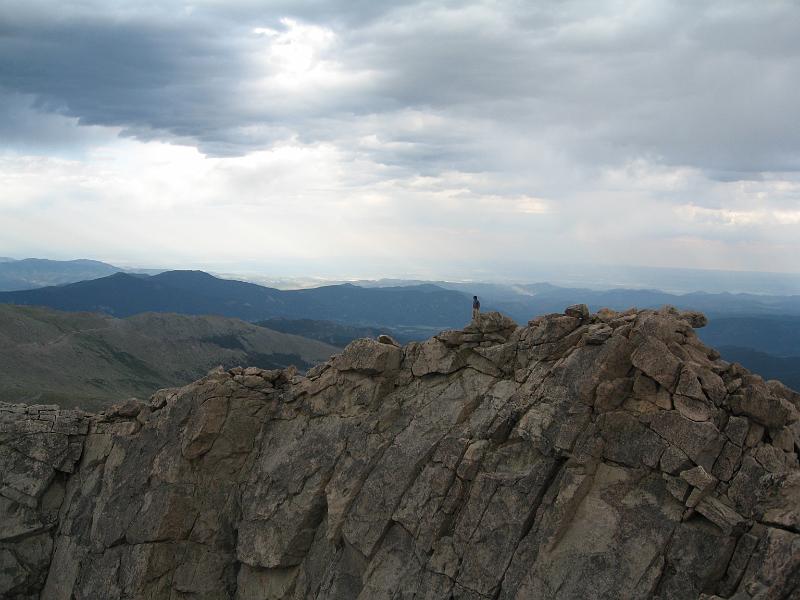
(582, 456)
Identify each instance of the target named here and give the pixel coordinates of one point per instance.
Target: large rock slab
(370, 357)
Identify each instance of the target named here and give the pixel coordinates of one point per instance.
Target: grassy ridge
(91, 360)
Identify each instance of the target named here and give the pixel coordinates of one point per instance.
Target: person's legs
(475, 313)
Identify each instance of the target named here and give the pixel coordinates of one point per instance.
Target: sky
(427, 139)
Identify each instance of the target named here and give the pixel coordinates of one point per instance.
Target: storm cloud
(566, 129)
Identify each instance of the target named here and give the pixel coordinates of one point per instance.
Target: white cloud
(738, 218)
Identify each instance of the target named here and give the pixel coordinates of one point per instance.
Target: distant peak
(185, 274)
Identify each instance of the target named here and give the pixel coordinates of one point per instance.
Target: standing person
(476, 308)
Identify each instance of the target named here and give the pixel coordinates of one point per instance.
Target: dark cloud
(156, 78)
(26, 129)
(709, 85)
(339, 14)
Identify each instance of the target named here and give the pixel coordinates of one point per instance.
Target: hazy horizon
(440, 139)
(594, 277)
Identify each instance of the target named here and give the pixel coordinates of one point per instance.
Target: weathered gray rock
(39, 448)
(628, 441)
(545, 330)
(773, 567)
(673, 461)
(597, 457)
(370, 357)
(694, 318)
(598, 333)
(433, 356)
(580, 311)
(758, 403)
(737, 429)
(698, 477)
(654, 359)
(692, 408)
(491, 322)
(780, 501)
(701, 442)
(387, 339)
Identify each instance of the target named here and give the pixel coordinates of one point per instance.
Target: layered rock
(581, 456)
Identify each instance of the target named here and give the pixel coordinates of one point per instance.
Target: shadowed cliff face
(581, 456)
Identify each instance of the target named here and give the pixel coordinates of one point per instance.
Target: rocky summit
(585, 456)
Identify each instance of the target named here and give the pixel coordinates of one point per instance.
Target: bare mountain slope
(93, 360)
(608, 456)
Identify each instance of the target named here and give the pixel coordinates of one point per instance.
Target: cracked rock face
(581, 456)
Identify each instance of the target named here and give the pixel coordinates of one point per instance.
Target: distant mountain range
(605, 277)
(777, 335)
(338, 313)
(784, 368)
(524, 300)
(31, 273)
(91, 360)
(541, 298)
(424, 305)
(198, 293)
(768, 345)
